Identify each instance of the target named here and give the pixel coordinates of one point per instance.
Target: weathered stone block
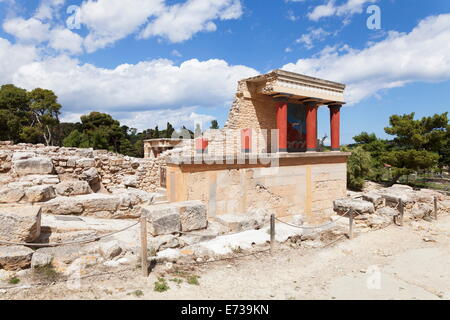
(33, 166)
(20, 224)
(86, 162)
(11, 195)
(130, 181)
(40, 259)
(40, 193)
(358, 206)
(63, 206)
(99, 202)
(377, 200)
(15, 257)
(236, 223)
(73, 188)
(162, 218)
(193, 215)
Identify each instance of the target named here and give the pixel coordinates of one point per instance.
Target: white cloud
(112, 20)
(30, 30)
(180, 22)
(330, 8)
(421, 55)
(143, 86)
(317, 34)
(12, 57)
(66, 40)
(176, 53)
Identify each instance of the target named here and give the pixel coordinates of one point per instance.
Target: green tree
(416, 144)
(214, 125)
(358, 168)
(45, 111)
(14, 112)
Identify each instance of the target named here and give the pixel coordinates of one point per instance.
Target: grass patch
(161, 285)
(13, 280)
(236, 250)
(193, 279)
(176, 280)
(138, 293)
(47, 273)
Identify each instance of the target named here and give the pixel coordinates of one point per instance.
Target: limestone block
(99, 202)
(192, 215)
(23, 155)
(377, 200)
(15, 257)
(90, 175)
(236, 223)
(86, 162)
(162, 218)
(73, 188)
(130, 181)
(11, 195)
(110, 249)
(41, 259)
(63, 206)
(40, 193)
(33, 166)
(387, 211)
(421, 210)
(358, 206)
(20, 224)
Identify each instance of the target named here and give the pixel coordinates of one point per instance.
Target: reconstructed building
(154, 147)
(266, 157)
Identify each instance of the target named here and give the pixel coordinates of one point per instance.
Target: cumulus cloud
(112, 20)
(108, 21)
(421, 55)
(148, 84)
(330, 8)
(314, 34)
(180, 22)
(27, 30)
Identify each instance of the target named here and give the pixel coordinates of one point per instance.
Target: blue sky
(152, 61)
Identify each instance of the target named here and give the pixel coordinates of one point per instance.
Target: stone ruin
(89, 200)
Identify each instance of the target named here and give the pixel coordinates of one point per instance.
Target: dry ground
(413, 263)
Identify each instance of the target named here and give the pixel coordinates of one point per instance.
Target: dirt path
(393, 263)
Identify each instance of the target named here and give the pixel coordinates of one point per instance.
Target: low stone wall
(114, 170)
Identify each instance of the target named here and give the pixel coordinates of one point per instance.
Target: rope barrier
(314, 227)
(67, 243)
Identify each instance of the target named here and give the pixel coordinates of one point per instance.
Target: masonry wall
(115, 170)
(305, 187)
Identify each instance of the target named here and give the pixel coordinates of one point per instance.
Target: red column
(246, 140)
(335, 126)
(201, 145)
(282, 107)
(311, 126)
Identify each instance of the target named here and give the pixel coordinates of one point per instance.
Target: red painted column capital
(282, 109)
(311, 126)
(335, 119)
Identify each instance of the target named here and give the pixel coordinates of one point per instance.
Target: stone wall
(305, 186)
(114, 170)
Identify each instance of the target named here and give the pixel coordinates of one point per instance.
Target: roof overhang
(280, 83)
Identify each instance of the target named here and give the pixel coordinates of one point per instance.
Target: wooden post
(272, 233)
(435, 208)
(401, 210)
(144, 250)
(350, 225)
